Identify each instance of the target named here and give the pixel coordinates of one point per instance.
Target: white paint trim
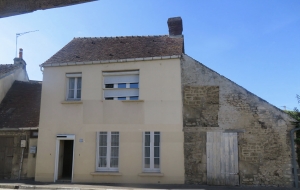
(73, 74)
(60, 137)
(115, 73)
(111, 61)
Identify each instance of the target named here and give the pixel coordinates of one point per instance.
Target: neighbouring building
(19, 118)
(11, 72)
(137, 109)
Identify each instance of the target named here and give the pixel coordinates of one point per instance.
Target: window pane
(121, 98)
(134, 97)
(102, 151)
(109, 85)
(103, 139)
(78, 94)
(114, 152)
(122, 85)
(71, 83)
(71, 94)
(109, 98)
(134, 85)
(156, 140)
(147, 140)
(156, 162)
(79, 83)
(115, 140)
(102, 162)
(147, 162)
(114, 162)
(156, 151)
(147, 151)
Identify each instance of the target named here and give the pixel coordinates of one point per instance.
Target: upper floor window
(121, 85)
(74, 86)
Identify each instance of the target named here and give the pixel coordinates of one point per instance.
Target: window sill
(132, 100)
(106, 173)
(71, 102)
(150, 174)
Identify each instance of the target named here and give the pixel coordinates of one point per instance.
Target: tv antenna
(20, 34)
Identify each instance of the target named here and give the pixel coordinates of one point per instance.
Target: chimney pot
(21, 53)
(175, 26)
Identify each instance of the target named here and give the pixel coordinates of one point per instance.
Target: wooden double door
(222, 158)
(6, 156)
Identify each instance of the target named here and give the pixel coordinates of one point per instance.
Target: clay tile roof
(113, 48)
(21, 105)
(5, 69)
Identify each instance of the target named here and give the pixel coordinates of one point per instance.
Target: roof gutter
(111, 61)
(20, 129)
(29, 128)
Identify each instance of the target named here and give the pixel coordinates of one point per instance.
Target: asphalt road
(8, 184)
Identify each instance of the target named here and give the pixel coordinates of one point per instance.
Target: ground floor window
(107, 151)
(151, 151)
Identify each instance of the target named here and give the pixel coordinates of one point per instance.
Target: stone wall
(17, 152)
(212, 102)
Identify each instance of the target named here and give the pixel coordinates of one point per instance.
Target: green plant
(296, 115)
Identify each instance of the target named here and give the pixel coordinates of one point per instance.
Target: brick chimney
(175, 27)
(19, 60)
(21, 53)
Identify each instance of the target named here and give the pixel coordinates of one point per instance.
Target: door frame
(59, 138)
(5, 155)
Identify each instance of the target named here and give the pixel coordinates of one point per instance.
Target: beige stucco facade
(159, 108)
(7, 80)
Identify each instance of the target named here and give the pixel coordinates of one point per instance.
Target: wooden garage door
(222, 158)
(6, 156)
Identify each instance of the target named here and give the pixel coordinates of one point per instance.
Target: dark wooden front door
(6, 156)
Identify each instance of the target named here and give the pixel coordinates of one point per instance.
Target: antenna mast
(20, 34)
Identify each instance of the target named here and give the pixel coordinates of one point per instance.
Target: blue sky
(255, 43)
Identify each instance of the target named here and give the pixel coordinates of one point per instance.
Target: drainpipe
(293, 156)
(21, 163)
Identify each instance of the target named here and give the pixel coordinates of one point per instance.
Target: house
(137, 109)
(19, 118)
(11, 72)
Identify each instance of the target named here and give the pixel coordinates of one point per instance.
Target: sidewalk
(29, 184)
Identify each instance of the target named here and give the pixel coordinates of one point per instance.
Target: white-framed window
(151, 151)
(107, 151)
(121, 85)
(74, 86)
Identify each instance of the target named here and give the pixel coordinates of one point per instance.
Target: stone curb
(11, 186)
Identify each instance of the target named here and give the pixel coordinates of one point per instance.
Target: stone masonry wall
(17, 152)
(201, 105)
(212, 102)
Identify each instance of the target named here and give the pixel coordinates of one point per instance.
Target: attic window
(111, 54)
(77, 56)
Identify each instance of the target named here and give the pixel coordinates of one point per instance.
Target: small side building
(19, 119)
(11, 72)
